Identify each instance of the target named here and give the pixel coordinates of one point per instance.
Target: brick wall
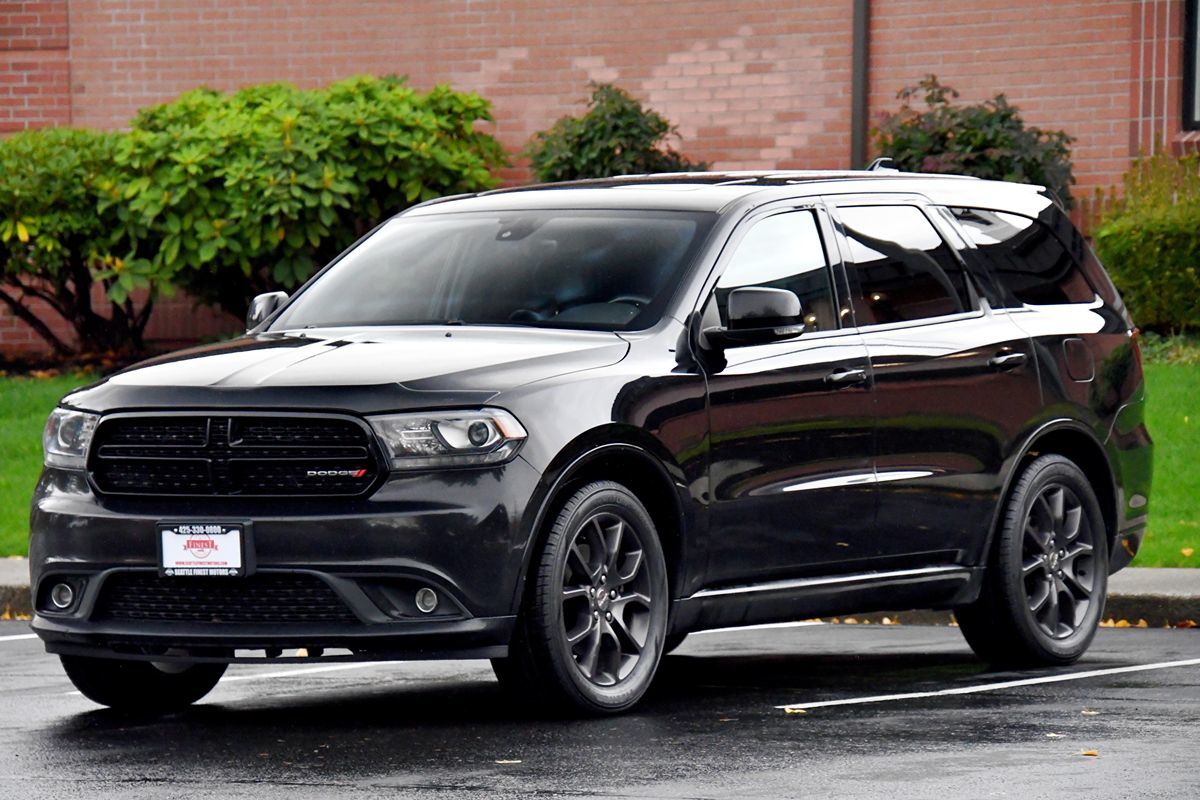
(35, 70)
(750, 83)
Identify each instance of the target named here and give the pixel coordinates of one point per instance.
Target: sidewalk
(1159, 596)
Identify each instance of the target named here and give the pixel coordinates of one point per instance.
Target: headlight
(449, 438)
(66, 438)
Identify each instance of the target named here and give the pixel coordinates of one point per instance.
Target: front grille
(264, 598)
(260, 456)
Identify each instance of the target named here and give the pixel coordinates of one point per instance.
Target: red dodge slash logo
(200, 548)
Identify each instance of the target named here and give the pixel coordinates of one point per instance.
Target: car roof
(727, 191)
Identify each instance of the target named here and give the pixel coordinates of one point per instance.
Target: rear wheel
(141, 685)
(592, 627)
(1044, 590)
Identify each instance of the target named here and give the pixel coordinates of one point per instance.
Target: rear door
(954, 382)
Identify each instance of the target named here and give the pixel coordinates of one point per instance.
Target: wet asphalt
(709, 729)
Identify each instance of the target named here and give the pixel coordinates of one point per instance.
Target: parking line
(18, 637)
(991, 687)
(300, 671)
(294, 672)
(768, 626)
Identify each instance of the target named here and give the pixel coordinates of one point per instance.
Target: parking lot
(712, 727)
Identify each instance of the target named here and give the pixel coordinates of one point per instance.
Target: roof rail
(883, 164)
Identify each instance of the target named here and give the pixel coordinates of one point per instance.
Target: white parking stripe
(300, 671)
(294, 672)
(764, 627)
(992, 687)
(18, 637)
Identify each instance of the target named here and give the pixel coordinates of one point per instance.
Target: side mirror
(758, 315)
(263, 306)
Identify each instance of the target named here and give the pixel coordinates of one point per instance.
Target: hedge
(224, 196)
(1150, 243)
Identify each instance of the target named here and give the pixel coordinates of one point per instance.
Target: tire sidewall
(1043, 472)
(615, 499)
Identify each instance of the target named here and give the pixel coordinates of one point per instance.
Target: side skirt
(941, 586)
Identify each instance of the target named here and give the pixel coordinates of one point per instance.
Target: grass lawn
(24, 405)
(1173, 416)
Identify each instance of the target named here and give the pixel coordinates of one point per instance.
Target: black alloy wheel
(1045, 583)
(1058, 561)
(606, 599)
(591, 630)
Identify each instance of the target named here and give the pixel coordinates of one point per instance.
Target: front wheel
(141, 686)
(593, 624)
(1045, 585)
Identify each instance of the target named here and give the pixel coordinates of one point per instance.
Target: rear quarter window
(1029, 263)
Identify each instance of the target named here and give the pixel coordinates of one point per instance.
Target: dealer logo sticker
(200, 548)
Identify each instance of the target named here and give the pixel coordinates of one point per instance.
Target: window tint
(1029, 262)
(783, 252)
(900, 269)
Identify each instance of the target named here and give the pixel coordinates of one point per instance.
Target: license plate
(201, 548)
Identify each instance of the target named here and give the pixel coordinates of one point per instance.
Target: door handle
(1005, 360)
(843, 376)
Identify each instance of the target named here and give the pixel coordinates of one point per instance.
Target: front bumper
(462, 533)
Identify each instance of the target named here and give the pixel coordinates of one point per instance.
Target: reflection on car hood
(422, 358)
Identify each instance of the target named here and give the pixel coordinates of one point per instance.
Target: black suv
(560, 427)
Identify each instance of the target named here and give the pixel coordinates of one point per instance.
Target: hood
(368, 369)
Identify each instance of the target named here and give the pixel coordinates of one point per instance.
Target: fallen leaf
(1187, 552)
(1108, 623)
(1088, 712)
(887, 621)
(1141, 623)
(1187, 623)
(850, 621)
(1122, 623)
(1089, 753)
(790, 710)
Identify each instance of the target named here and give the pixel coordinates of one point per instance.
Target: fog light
(62, 596)
(427, 600)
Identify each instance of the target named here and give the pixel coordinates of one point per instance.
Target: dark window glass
(900, 267)
(599, 270)
(1030, 263)
(783, 252)
(1191, 67)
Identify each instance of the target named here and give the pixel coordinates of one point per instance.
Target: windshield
(598, 270)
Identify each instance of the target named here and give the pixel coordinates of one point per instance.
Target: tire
(1045, 584)
(141, 686)
(591, 630)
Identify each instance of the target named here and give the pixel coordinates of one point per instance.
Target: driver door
(792, 422)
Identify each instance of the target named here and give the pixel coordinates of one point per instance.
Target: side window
(900, 268)
(783, 252)
(1029, 262)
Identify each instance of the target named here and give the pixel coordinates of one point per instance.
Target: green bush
(56, 246)
(984, 140)
(617, 136)
(1150, 242)
(228, 196)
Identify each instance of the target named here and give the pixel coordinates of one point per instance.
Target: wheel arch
(627, 456)
(1075, 441)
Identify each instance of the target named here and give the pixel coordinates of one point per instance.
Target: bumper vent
(259, 456)
(262, 599)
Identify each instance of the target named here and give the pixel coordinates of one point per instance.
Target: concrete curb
(1161, 597)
